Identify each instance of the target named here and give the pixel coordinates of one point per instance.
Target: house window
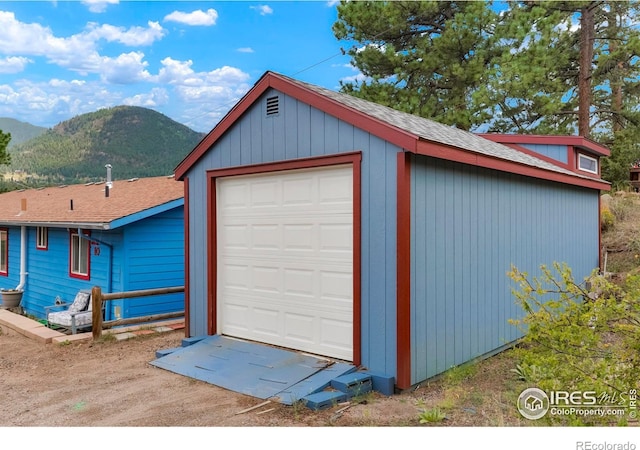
(42, 238)
(4, 252)
(79, 256)
(587, 163)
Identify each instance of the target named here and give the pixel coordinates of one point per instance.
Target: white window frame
(79, 256)
(42, 238)
(4, 251)
(582, 156)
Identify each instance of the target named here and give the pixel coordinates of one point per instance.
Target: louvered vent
(273, 106)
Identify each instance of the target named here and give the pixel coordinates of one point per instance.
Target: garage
(285, 258)
(327, 224)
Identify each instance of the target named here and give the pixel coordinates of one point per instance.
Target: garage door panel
(290, 240)
(299, 282)
(296, 237)
(299, 328)
(336, 237)
(266, 236)
(235, 198)
(264, 194)
(335, 285)
(236, 236)
(298, 191)
(335, 188)
(266, 279)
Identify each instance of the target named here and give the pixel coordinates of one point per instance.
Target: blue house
(328, 224)
(120, 235)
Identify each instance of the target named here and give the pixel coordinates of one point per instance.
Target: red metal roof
(87, 204)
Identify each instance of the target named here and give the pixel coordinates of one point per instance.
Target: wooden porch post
(96, 312)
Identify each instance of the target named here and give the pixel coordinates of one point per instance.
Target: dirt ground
(111, 383)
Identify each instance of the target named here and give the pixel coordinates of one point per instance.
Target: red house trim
(403, 271)
(353, 158)
(187, 271)
(455, 154)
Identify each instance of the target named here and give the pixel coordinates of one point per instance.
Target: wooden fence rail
(98, 298)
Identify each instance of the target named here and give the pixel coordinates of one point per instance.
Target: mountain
(20, 131)
(137, 142)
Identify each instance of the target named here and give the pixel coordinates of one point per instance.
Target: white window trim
(595, 161)
(4, 262)
(42, 238)
(79, 245)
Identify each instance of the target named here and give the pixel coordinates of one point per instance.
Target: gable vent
(273, 105)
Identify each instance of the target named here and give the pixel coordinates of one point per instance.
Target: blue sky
(191, 61)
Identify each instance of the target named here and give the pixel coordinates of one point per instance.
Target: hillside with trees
(20, 131)
(137, 142)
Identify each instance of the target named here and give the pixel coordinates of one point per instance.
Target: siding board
(489, 221)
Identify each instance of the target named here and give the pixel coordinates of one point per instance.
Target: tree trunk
(616, 78)
(587, 33)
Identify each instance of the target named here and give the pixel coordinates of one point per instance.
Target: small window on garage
(42, 238)
(4, 252)
(587, 163)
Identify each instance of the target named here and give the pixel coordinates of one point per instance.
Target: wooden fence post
(96, 312)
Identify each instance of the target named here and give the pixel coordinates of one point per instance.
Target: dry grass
(621, 243)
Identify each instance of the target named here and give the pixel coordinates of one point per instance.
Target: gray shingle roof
(430, 130)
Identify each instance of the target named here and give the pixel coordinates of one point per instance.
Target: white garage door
(285, 259)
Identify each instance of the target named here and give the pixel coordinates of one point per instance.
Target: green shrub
(607, 219)
(431, 415)
(578, 336)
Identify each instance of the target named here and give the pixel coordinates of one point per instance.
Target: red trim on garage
(403, 268)
(572, 141)
(388, 132)
(357, 260)
(187, 272)
(353, 158)
(600, 232)
(357, 118)
(212, 252)
(441, 151)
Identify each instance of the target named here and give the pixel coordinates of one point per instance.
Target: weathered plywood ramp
(253, 369)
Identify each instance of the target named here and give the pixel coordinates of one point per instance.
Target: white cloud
(195, 18)
(79, 52)
(99, 6)
(156, 97)
(18, 38)
(245, 50)
(125, 69)
(176, 72)
(13, 64)
(134, 36)
(263, 9)
(49, 103)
